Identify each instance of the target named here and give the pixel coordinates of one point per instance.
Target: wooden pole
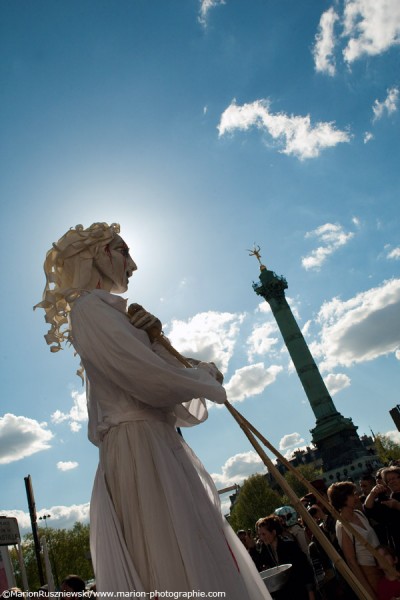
(335, 557)
(250, 431)
(348, 526)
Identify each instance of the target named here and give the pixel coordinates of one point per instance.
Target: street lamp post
(54, 565)
(44, 518)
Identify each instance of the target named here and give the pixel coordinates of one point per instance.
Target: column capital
(272, 286)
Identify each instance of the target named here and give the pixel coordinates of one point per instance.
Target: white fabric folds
(156, 523)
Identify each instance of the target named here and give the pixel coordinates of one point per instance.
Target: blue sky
(202, 128)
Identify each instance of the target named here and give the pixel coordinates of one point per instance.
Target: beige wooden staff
(346, 524)
(335, 557)
(337, 560)
(250, 431)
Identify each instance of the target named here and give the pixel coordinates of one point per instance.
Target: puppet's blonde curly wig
(68, 269)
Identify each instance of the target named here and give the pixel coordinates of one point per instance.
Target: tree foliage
(386, 448)
(256, 499)
(309, 472)
(68, 552)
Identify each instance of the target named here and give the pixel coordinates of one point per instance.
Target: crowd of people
(373, 510)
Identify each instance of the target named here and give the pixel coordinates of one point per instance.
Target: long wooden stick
(335, 557)
(250, 431)
(241, 419)
(346, 524)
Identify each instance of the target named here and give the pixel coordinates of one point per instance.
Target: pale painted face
(115, 266)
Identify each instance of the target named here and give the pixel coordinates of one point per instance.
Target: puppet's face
(115, 266)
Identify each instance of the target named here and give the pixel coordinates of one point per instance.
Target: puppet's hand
(140, 318)
(212, 370)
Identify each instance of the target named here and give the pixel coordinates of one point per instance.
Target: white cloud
(238, 468)
(394, 254)
(61, 517)
(332, 236)
(263, 307)
(250, 381)
(21, 437)
(24, 522)
(76, 415)
(225, 504)
(368, 28)
(325, 42)
(359, 329)
(291, 453)
(261, 340)
(67, 465)
(394, 436)
(205, 7)
(210, 336)
(75, 427)
(368, 136)
(296, 135)
(290, 440)
(290, 443)
(335, 382)
(306, 328)
(372, 27)
(388, 106)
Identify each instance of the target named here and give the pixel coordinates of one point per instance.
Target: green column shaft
(272, 289)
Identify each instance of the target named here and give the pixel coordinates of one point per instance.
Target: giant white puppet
(155, 518)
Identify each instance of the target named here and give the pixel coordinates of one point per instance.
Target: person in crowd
(317, 514)
(323, 569)
(379, 479)
(73, 585)
(155, 518)
(391, 478)
(389, 585)
(292, 527)
(344, 498)
(366, 483)
(44, 591)
(246, 538)
(279, 550)
(382, 506)
(329, 521)
(330, 583)
(308, 500)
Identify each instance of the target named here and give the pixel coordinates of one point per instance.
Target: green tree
(386, 448)
(256, 499)
(68, 552)
(309, 472)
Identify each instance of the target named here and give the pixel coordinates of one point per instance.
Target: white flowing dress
(155, 518)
